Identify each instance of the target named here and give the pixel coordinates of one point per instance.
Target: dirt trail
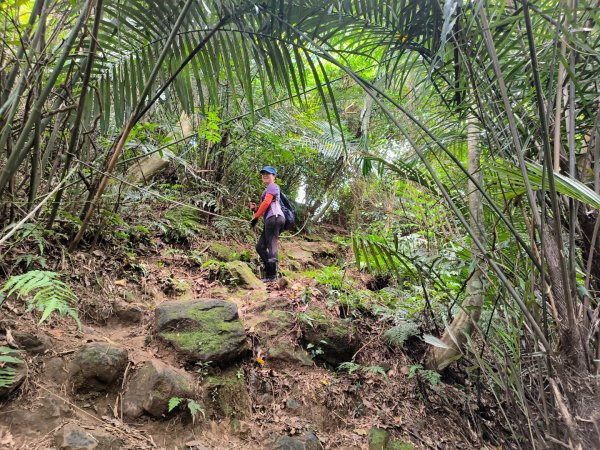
(290, 395)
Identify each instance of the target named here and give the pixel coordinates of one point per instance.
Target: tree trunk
(463, 324)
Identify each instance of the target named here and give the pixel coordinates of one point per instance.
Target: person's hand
(253, 222)
(252, 206)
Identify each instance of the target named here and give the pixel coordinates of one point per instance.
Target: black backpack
(288, 211)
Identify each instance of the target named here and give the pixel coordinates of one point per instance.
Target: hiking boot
(270, 272)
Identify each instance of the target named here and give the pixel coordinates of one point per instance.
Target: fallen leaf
(260, 360)
(361, 431)
(122, 282)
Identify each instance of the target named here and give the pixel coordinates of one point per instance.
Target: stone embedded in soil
(32, 342)
(202, 330)
(298, 258)
(308, 441)
(55, 370)
(97, 365)
(334, 340)
(241, 275)
(19, 375)
(128, 312)
(226, 395)
(151, 388)
(72, 437)
(274, 326)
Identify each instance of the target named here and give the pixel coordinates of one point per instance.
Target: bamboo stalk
(74, 140)
(20, 150)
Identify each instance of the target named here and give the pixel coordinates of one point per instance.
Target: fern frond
(7, 373)
(174, 402)
(51, 294)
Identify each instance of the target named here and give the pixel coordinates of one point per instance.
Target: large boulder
(331, 339)
(202, 330)
(151, 388)
(97, 366)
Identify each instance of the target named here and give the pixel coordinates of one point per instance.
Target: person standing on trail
(274, 221)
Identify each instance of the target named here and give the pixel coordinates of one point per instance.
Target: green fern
(398, 335)
(46, 293)
(174, 402)
(193, 406)
(7, 373)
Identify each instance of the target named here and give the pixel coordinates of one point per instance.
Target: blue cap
(269, 169)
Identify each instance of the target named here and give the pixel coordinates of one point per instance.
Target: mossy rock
(287, 353)
(151, 388)
(240, 274)
(334, 340)
(380, 439)
(274, 323)
(202, 330)
(299, 258)
(222, 252)
(226, 395)
(274, 328)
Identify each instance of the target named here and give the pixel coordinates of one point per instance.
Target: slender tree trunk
(465, 321)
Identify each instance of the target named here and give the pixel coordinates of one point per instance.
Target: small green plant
(47, 293)
(376, 369)
(398, 335)
(331, 276)
(203, 368)
(316, 350)
(351, 367)
(430, 376)
(7, 372)
(210, 128)
(193, 407)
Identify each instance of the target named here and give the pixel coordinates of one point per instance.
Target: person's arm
(263, 206)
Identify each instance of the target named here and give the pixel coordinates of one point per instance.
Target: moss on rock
(202, 330)
(240, 274)
(222, 252)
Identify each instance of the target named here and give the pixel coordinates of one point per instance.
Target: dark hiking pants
(267, 243)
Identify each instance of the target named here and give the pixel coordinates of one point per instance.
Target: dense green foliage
(363, 106)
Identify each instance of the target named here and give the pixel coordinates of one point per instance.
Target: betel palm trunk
(465, 321)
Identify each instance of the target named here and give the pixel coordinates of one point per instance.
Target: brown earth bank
(188, 349)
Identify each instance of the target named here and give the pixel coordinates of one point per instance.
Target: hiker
(274, 222)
